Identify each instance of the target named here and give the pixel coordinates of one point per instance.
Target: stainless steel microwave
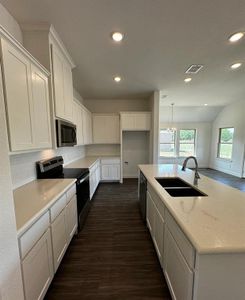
(66, 134)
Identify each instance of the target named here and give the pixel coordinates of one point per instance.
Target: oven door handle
(83, 179)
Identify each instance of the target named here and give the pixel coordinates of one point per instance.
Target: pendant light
(171, 127)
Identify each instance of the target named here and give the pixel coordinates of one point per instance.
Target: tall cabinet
(26, 97)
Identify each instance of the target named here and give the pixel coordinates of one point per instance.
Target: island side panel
(219, 277)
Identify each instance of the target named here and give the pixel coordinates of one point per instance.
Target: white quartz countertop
(213, 224)
(34, 198)
(88, 161)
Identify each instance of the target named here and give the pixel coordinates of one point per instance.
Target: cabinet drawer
(70, 193)
(33, 234)
(57, 207)
(110, 161)
(181, 240)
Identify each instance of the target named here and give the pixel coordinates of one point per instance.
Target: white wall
(23, 168)
(135, 151)
(10, 273)
(202, 143)
(10, 24)
(117, 105)
(232, 115)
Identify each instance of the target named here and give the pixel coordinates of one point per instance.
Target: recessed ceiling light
(117, 78)
(236, 66)
(117, 36)
(236, 37)
(205, 104)
(187, 79)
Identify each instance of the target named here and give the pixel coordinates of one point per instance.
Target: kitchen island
(200, 241)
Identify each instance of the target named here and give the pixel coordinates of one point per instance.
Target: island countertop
(214, 223)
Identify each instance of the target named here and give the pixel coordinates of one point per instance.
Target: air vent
(194, 69)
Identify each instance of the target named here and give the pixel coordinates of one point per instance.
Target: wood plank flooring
(233, 181)
(113, 257)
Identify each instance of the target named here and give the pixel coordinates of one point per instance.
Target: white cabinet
(87, 127)
(59, 238)
(41, 112)
(110, 169)
(135, 121)
(26, 92)
(106, 129)
(71, 218)
(177, 272)
(78, 121)
(37, 268)
(94, 178)
(62, 84)
(156, 225)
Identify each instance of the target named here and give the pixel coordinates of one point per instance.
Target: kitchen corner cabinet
(106, 129)
(26, 98)
(110, 169)
(62, 84)
(135, 121)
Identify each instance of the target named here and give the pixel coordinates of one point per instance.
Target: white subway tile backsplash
(23, 169)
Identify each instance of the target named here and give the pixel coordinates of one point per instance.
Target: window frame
(177, 143)
(219, 143)
(174, 143)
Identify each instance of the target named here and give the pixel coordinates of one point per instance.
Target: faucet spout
(197, 176)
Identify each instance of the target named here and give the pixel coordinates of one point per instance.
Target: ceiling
(162, 38)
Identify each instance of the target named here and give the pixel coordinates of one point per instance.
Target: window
(225, 143)
(187, 142)
(167, 142)
(180, 143)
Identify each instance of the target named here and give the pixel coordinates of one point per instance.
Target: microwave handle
(74, 135)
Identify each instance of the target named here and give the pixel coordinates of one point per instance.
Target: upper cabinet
(106, 129)
(62, 85)
(27, 99)
(78, 121)
(46, 45)
(87, 126)
(136, 121)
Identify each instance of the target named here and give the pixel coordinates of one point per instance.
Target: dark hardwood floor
(233, 181)
(113, 257)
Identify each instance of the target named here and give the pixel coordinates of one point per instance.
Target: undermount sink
(176, 187)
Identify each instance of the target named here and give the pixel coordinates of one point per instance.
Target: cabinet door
(59, 238)
(90, 132)
(128, 121)
(150, 214)
(105, 129)
(17, 80)
(177, 272)
(158, 234)
(41, 115)
(71, 217)
(58, 82)
(68, 90)
(115, 172)
(78, 120)
(105, 172)
(37, 268)
(142, 121)
(87, 127)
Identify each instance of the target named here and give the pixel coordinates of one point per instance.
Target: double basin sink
(176, 187)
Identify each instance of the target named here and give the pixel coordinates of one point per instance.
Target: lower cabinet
(37, 268)
(177, 272)
(110, 169)
(59, 238)
(43, 245)
(155, 224)
(94, 178)
(71, 218)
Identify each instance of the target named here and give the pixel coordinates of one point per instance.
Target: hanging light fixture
(171, 127)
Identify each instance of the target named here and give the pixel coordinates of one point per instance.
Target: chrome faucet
(197, 176)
